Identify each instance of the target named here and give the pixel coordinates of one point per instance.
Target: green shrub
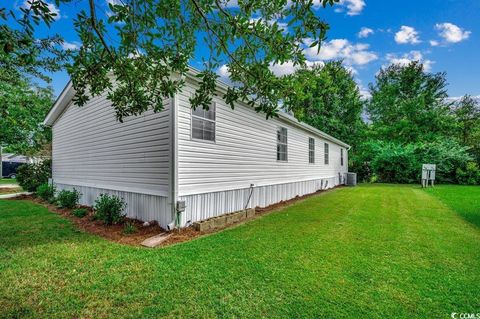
(46, 192)
(468, 175)
(389, 162)
(395, 164)
(31, 176)
(109, 209)
(80, 212)
(129, 229)
(68, 199)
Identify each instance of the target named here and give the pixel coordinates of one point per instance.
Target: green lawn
(4, 181)
(465, 200)
(374, 251)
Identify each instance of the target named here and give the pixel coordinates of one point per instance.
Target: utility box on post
(428, 174)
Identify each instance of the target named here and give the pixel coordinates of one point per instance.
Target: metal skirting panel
(140, 206)
(207, 205)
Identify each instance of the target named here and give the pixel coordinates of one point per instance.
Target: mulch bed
(115, 232)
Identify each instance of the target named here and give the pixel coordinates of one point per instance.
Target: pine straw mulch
(115, 233)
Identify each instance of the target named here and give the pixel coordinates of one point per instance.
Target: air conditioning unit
(351, 179)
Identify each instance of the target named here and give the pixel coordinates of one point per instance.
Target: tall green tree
(140, 44)
(21, 48)
(467, 117)
(409, 104)
(327, 97)
(23, 106)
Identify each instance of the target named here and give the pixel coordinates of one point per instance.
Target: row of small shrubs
(108, 208)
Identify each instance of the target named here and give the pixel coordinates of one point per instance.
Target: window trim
(311, 150)
(326, 153)
(278, 143)
(214, 121)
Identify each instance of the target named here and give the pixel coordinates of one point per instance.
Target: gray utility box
(351, 179)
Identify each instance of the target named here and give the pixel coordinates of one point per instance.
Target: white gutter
(60, 104)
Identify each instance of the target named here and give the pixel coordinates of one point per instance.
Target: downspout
(176, 215)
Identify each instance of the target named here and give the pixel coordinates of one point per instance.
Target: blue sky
(367, 34)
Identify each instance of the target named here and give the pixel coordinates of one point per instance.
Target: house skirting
(140, 206)
(206, 205)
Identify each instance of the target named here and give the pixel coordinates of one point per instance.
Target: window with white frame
(326, 153)
(341, 156)
(282, 148)
(203, 123)
(311, 150)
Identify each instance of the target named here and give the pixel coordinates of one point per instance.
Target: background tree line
(407, 121)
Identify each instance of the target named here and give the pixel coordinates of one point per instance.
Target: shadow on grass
(465, 200)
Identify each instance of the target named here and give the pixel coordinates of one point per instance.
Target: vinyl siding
(244, 152)
(91, 148)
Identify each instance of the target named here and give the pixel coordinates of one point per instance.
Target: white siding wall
(94, 151)
(244, 153)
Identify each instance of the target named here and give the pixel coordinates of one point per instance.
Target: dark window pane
(203, 129)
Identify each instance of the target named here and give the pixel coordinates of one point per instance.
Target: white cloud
(451, 33)
(114, 2)
(407, 35)
(365, 32)
(51, 7)
(406, 58)
(70, 45)
(223, 72)
(353, 7)
(289, 68)
(434, 43)
(352, 54)
(458, 98)
(278, 69)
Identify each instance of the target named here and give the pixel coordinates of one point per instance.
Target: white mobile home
(214, 162)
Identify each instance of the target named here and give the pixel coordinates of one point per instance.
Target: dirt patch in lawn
(116, 233)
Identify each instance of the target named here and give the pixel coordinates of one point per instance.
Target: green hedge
(397, 163)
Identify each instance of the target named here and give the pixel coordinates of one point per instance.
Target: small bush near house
(31, 176)
(68, 199)
(469, 175)
(129, 229)
(46, 192)
(109, 209)
(80, 212)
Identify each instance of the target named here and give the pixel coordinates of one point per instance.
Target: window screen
(341, 156)
(282, 144)
(203, 123)
(311, 150)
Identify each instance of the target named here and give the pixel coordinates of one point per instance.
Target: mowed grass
(465, 200)
(4, 181)
(372, 251)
